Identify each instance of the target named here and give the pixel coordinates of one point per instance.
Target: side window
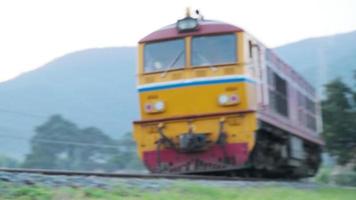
(310, 110)
(306, 112)
(310, 106)
(278, 93)
(250, 49)
(270, 79)
(281, 95)
(301, 116)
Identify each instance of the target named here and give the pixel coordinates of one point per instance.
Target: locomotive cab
(210, 53)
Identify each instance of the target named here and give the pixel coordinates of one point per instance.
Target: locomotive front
(197, 103)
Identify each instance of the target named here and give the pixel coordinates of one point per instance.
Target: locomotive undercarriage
(274, 156)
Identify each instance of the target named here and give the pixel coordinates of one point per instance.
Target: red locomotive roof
(205, 27)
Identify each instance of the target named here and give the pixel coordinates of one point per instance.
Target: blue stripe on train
(195, 83)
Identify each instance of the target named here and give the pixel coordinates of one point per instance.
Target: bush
(324, 175)
(6, 161)
(31, 193)
(347, 179)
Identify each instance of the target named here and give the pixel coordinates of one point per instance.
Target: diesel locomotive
(215, 100)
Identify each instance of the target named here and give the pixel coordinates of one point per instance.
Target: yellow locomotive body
(202, 102)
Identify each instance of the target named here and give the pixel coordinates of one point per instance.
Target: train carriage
(214, 100)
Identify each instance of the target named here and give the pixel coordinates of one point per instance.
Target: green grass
(181, 190)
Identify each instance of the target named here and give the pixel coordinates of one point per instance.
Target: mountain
(322, 59)
(96, 87)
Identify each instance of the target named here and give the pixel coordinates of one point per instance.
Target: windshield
(162, 56)
(214, 50)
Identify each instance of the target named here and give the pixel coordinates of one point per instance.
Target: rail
(125, 175)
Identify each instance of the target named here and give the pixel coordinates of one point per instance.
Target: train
(214, 100)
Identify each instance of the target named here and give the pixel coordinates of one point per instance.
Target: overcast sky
(34, 32)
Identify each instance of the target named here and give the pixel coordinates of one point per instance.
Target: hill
(96, 87)
(322, 59)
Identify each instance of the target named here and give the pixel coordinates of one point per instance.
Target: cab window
(164, 55)
(213, 50)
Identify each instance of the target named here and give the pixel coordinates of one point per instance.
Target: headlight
(187, 24)
(228, 99)
(154, 107)
(159, 105)
(223, 99)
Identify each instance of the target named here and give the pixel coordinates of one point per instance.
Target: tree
(46, 145)
(127, 158)
(60, 144)
(339, 119)
(355, 87)
(6, 161)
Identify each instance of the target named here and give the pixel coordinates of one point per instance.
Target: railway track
(125, 175)
(151, 182)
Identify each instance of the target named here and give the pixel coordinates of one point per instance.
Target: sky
(32, 33)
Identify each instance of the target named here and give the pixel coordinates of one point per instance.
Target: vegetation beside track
(181, 190)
